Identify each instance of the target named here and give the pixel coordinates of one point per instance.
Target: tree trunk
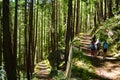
(105, 9)
(36, 31)
(97, 7)
(15, 38)
(110, 13)
(53, 32)
(68, 30)
(30, 47)
(95, 22)
(117, 5)
(25, 36)
(7, 43)
(74, 21)
(101, 9)
(0, 38)
(41, 44)
(78, 17)
(20, 55)
(86, 18)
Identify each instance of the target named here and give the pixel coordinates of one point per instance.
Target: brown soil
(108, 69)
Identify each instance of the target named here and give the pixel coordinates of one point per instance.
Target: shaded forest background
(31, 29)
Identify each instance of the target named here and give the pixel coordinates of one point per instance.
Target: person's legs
(104, 55)
(92, 52)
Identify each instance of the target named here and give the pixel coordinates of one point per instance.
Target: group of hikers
(96, 48)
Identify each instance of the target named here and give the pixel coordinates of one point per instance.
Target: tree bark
(101, 9)
(78, 17)
(30, 47)
(0, 38)
(7, 43)
(68, 31)
(15, 38)
(110, 13)
(117, 4)
(53, 32)
(105, 9)
(25, 36)
(74, 17)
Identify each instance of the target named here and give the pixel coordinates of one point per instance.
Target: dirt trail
(108, 69)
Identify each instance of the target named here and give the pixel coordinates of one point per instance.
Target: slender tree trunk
(49, 33)
(53, 34)
(105, 9)
(30, 47)
(20, 55)
(59, 24)
(7, 43)
(36, 31)
(78, 17)
(0, 38)
(86, 18)
(101, 10)
(97, 7)
(110, 13)
(74, 21)
(41, 44)
(81, 17)
(68, 30)
(15, 38)
(117, 4)
(95, 21)
(25, 36)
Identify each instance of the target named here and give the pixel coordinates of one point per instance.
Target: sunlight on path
(109, 70)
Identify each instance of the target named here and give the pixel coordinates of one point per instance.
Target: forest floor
(103, 69)
(108, 69)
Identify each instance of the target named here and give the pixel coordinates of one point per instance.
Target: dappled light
(59, 39)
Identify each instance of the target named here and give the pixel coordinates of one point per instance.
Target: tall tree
(117, 4)
(15, 37)
(25, 35)
(7, 43)
(110, 13)
(30, 47)
(74, 17)
(68, 30)
(105, 9)
(101, 9)
(53, 32)
(78, 17)
(0, 37)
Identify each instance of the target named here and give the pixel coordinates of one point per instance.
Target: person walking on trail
(105, 48)
(92, 48)
(97, 46)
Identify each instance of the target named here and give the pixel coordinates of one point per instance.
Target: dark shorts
(104, 50)
(97, 48)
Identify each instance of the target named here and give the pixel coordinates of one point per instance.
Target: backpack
(105, 45)
(92, 46)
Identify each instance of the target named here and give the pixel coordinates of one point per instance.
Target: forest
(49, 39)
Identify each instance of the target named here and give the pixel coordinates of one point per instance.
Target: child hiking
(92, 48)
(97, 46)
(105, 48)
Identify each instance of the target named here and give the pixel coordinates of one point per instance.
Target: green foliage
(81, 65)
(112, 24)
(82, 73)
(60, 75)
(2, 73)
